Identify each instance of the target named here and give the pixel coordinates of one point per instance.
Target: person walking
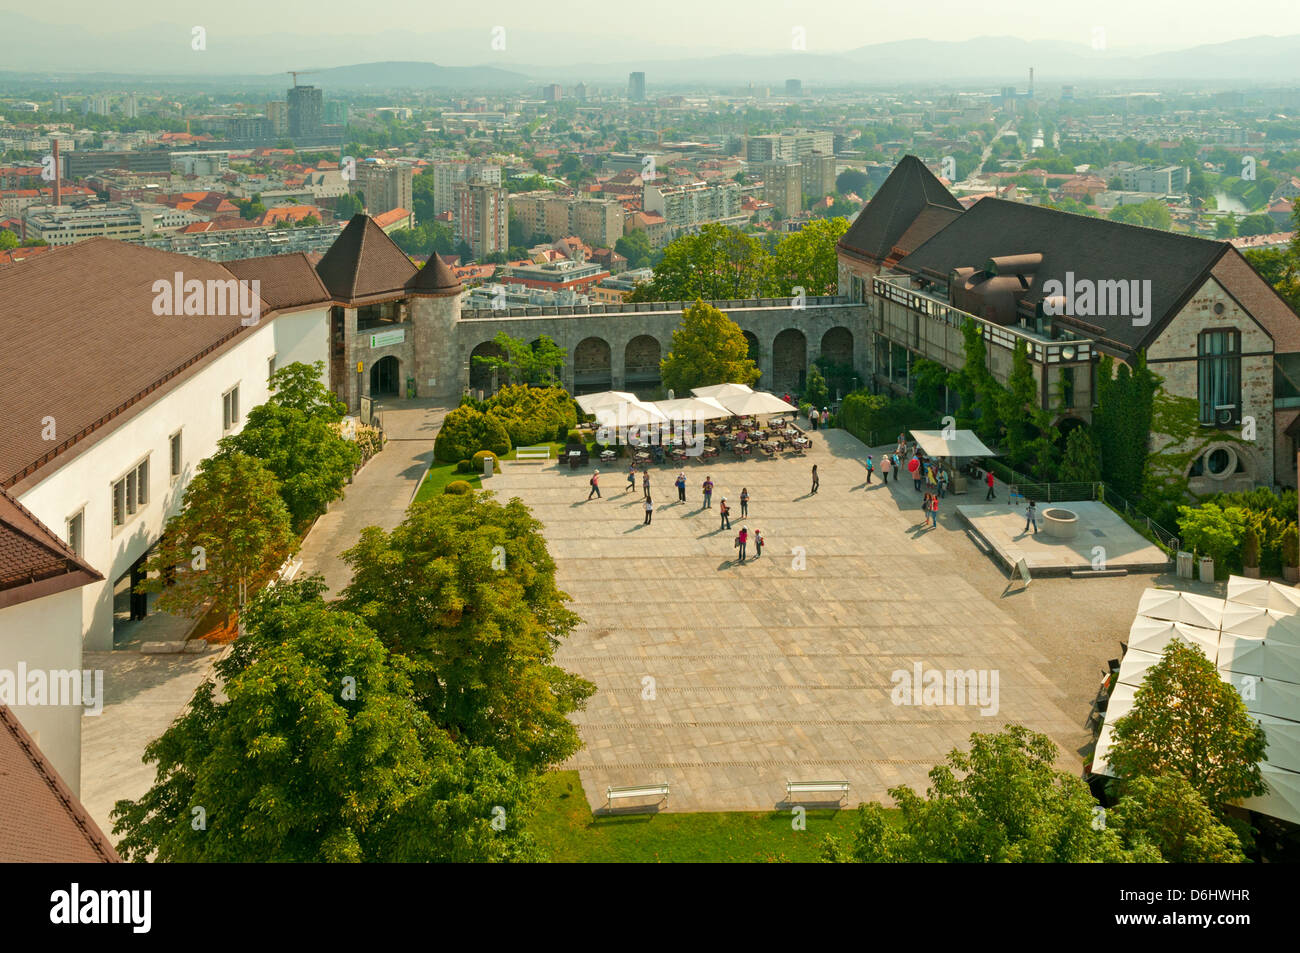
(744, 502)
(885, 466)
(595, 485)
(707, 486)
(649, 510)
(631, 477)
(825, 418)
(914, 468)
(925, 510)
(812, 419)
(931, 478)
(816, 479)
(934, 509)
(758, 544)
(741, 538)
(988, 479)
(871, 467)
(645, 482)
(681, 487)
(725, 512)
(1031, 517)
(943, 483)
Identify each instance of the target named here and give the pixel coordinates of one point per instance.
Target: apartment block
(783, 186)
(482, 217)
(1165, 180)
(545, 215)
(818, 175)
(386, 186)
(687, 206)
(447, 175)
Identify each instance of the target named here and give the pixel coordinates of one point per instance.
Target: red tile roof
(41, 820)
(33, 561)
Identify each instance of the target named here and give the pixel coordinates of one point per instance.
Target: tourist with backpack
(595, 485)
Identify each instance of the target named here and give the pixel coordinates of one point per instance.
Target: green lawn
(440, 474)
(566, 829)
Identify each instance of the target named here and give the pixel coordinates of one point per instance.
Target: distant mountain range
(468, 59)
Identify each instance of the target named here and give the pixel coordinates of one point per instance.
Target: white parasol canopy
(1152, 635)
(590, 403)
(692, 408)
(1133, 669)
(1177, 606)
(756, 404)
(1264, 594)
(722, 390)
(951, 443)
(1283, 797)
(1283, 742)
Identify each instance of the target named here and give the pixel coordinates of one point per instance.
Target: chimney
(58, 174)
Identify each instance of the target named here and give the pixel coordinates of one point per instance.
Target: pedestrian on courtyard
(725, 512)
(631, 477)
(825, 418)
(943, 483)
(816, 480)
(681, 487)
(931, 479)
(934, 508)
(885, 466)
(708, 492)
(914, 468)
(744, 502)
(758, 544)
(645, 482)
(1031, 517)
(741, 538)
(988, 478)
(812, 419)
(871, 466)
(649, 510)
(925, 509)
(595, 485)
(786, 397)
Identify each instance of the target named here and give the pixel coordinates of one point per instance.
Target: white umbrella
(692, 408)
(757, 404)
(1282, 661)
(1177, 606)
(1241, 654)
(1133, 669)
(1283, 797)
(1283, 741)
(1242, 619)
(1101, 753)
(590, 403)
(951, 443)
(1152, 635)
(722, 390)
(1263, 594)
(1266, 696)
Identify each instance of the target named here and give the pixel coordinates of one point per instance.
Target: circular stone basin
(1061, 523)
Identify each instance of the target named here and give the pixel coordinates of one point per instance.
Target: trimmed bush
(562, 432)
(477, 465)
(1250, 551)
(464, 467)
(465, 431)
(458, 488)
(533, 415)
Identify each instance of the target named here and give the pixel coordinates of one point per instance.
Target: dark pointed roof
(364, 263)
(435, 278)
(911, 196)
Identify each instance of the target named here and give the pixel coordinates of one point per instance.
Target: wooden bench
(525, 454)
(660, 791)
(816, 787)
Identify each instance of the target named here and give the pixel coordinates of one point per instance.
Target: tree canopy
(708, 348)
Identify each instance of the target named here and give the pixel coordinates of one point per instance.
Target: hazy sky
(716, 25)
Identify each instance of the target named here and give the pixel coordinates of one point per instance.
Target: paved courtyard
(726, 680)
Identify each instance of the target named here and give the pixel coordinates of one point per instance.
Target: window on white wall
(76, 534)
(130, 492)
(230, 408)
(176, 461)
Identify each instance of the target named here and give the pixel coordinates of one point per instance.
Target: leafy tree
(1001, 802)
(465, 589)
(532, 415)
(716, 264)
(1168, 813)
(1080, 463)
(815, 391)
(346, 206)
(465, 431)
(853, 181)
(317, 749)
(293, 434)
(807, 258)
(232, 533)
(1150, 214)
(8, 240)
(929, 379)
(1122, 422)
(708, 348)
(523, 362)
(1187, 721)
(1214, 531)
(635, 247)
(978, 390)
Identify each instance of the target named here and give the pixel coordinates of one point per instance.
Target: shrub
(533, 415)
(465, 431)
(370, 440)
(464, 467)
(1250, 551)
(477, 465)
(804, 408)
(573, 438)
(1291, 546)
(562, 431)
(863, 414)
(458, 488)
(1214, 531)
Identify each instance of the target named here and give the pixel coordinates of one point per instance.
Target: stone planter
(1206, 569)
(1250, 572)
(1060, 523)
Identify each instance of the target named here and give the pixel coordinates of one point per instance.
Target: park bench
(613, 794)
(816, 787)
(526, 454)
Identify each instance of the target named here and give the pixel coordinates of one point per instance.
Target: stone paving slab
(728, 679)
(1003, 528)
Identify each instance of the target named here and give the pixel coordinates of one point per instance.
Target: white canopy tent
(951, 443)
(721, 390)
(590, 403)
(1264, 594)
(1283, 797)
(1177, 606)
(1133, 669)
(692, 408)
(755, 404)
(1152, 635)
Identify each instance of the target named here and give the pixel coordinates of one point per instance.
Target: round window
(1218, 308)
(1218, 461)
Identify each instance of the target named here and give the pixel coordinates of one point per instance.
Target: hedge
(863, 414)
(533, 415)
(465, 431)
(477, 465)
(458, 488)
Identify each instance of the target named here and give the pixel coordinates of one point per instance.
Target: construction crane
(295, 73)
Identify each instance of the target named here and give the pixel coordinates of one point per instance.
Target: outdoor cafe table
(801, 441)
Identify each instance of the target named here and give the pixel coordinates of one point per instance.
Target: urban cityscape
(370, 397)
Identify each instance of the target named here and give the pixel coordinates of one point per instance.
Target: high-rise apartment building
(636, 87)
(447, 175)
(783, 186)
(547, 216)
(278, 114)
(304, 113)
(386, 186)
(482, 217)
(687, 206)
(794, 88)
(818, 176)
(795, 145)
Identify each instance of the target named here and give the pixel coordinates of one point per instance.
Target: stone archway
(837, 346)
(481, 376)
(641, 362)
(386, 377)
(592, 371)
(789, 361)
(752, 340)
